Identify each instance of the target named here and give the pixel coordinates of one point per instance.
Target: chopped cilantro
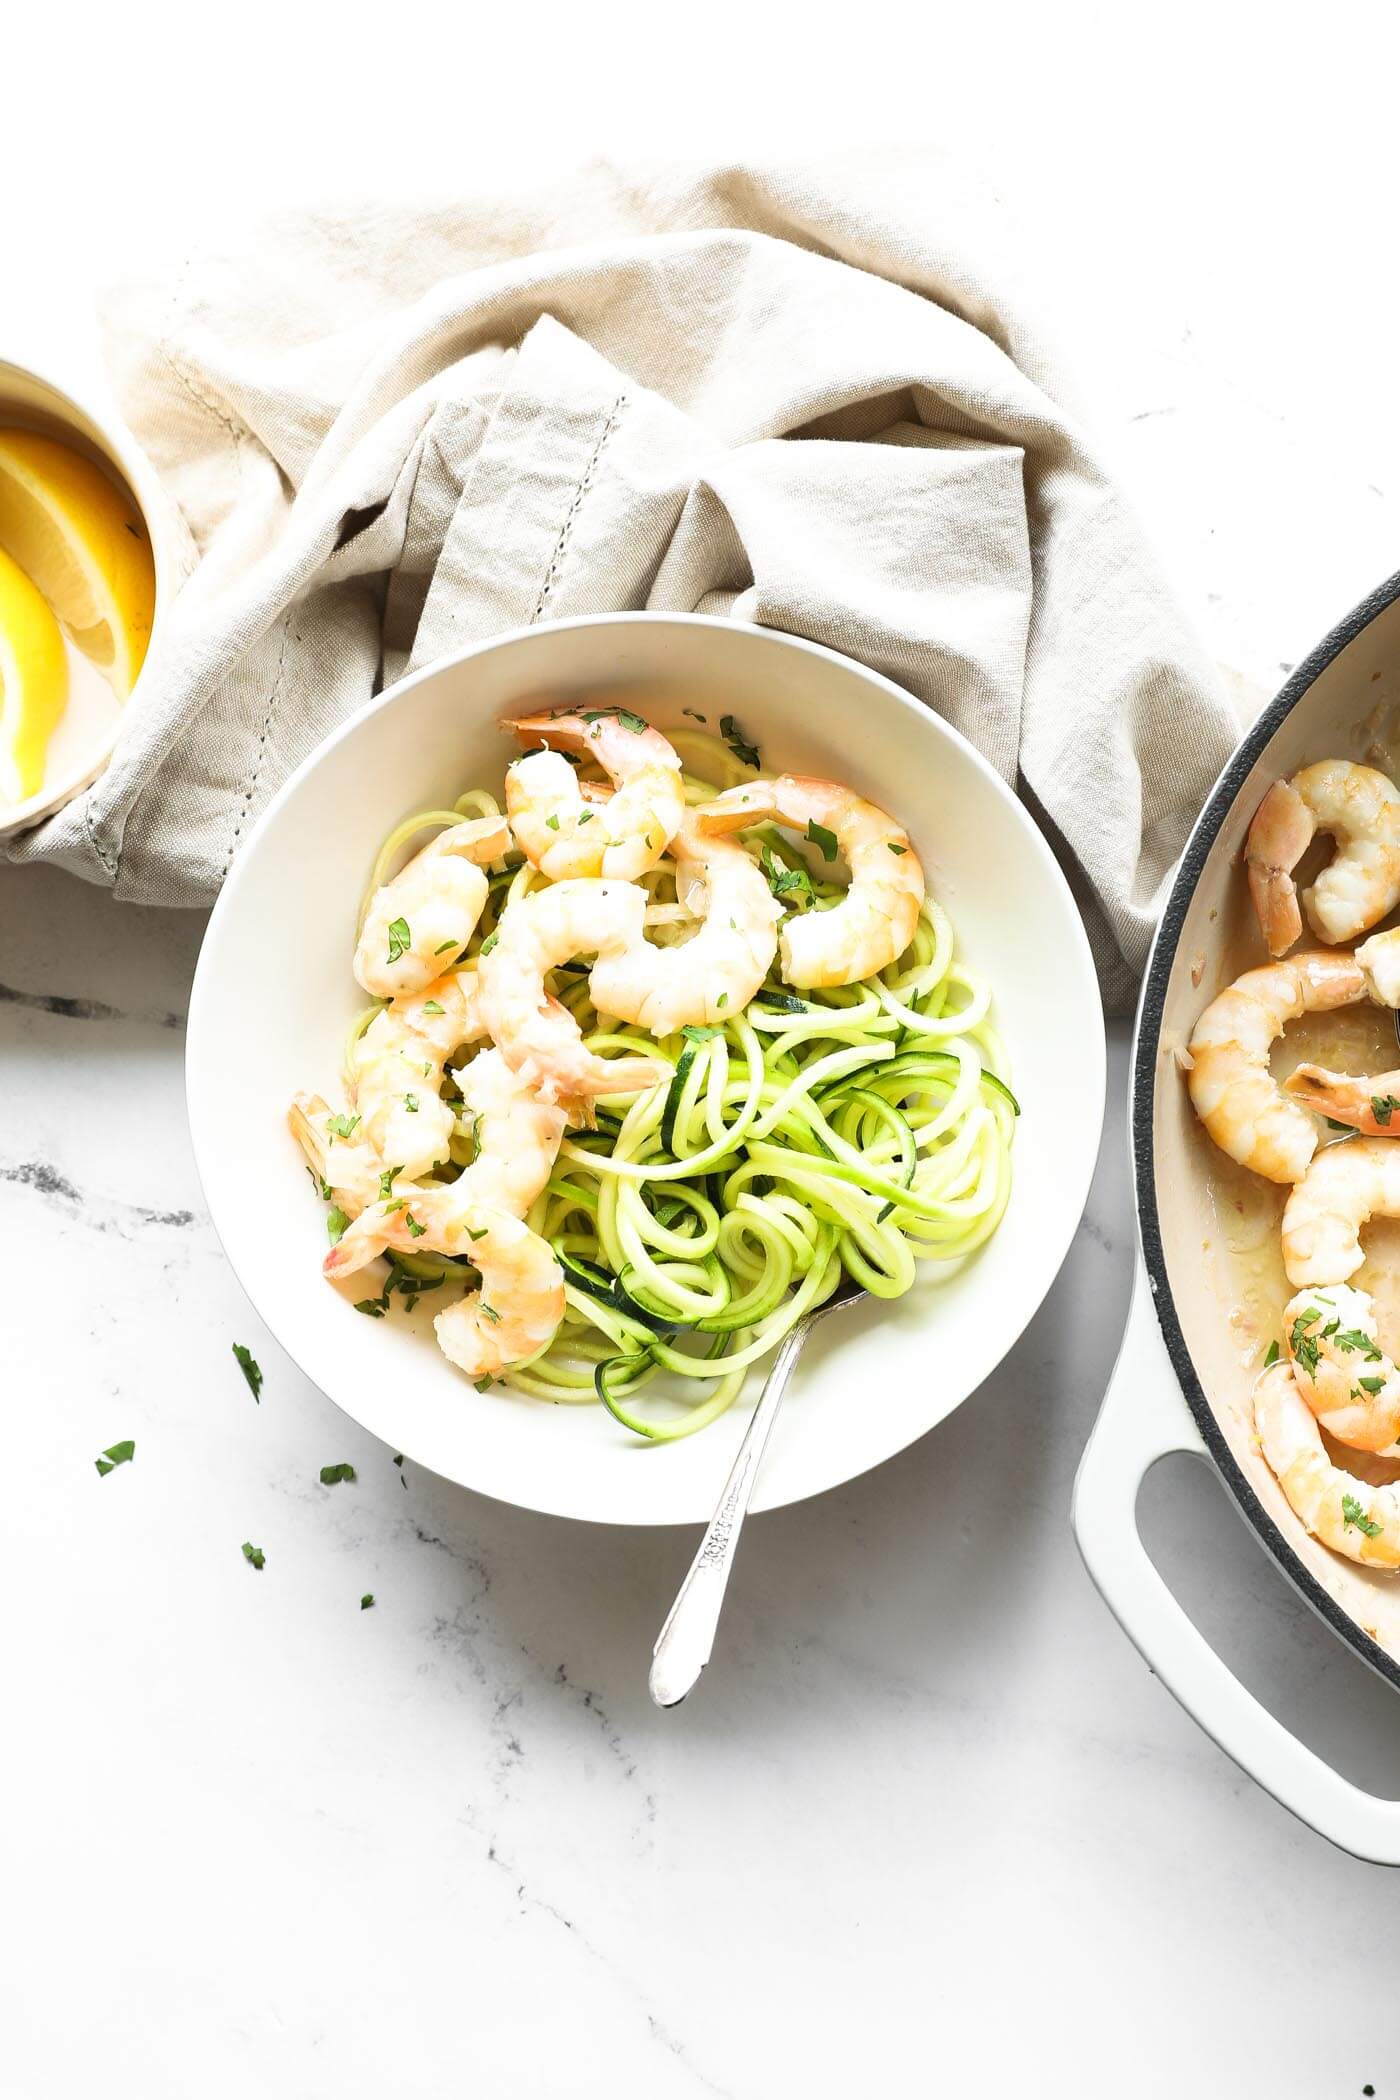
(330, 1475)
(478, 1235)
(248, 1366)
(446, 948)
(700, 1035)
(1354, 1514)
(336, 1222)
(400, 939)
(1371, 1385)
(483, 1385)
(1383, 1107)
(694, 713)
(489, 943)
(1352, 1339)
(416, 1231)
(374, 1307)
(722, 1001)
(489, 1312)
(786, 882)
(551, 823)
(631, 721)
(896, 849)
(820, 836)
(386, 1181)
(115, 1455)
(431, 1006)
(1301, 1345)
(254, 1554)
(1273, 1355)
(342, 1126)
(410, 1102)
(1346, 1129)
(744, 751)
(367, 1600)
(585, 817)
(324, 1187)
(398, 1458)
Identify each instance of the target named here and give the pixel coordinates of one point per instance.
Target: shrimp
(875, 920)
(336, 1151)
(1347, 1514)
(397, 1066)
(1230, 1085)
(1361, 809)
(714, 974)
(537, 1036)
(1323, 1217)
(429, 909)
(517, 1310)
(566, 834)
(1348, 1381)
(517, 1142)
(1368, 1103)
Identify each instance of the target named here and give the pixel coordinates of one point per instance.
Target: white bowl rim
(1075, 1191)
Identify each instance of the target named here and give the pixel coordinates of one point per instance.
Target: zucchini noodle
(865, 1130)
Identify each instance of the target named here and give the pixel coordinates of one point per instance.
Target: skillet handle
(1144, 1418)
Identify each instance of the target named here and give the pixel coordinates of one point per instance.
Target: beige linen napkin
(805, 397)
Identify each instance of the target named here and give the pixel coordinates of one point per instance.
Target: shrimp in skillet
(565, 833)
(429, 910)
(1361, 809)
(517, 1139)
(517, 1310)
(1231, 1088)
(1347, 1514)
(1345, 1376)
(1344, 1187)
(396, 1071)
(875, 920)
(537, 1036)
(714, 974)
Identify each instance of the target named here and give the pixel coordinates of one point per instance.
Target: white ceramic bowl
(86, 736)
(273, 995)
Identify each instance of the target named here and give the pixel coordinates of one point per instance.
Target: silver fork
(684, 1642)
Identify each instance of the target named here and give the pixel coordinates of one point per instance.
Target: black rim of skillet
(1149, 1029)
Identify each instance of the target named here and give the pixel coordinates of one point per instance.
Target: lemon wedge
(33, 682)
(79, 539)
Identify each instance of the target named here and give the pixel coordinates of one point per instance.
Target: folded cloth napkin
(805, 397)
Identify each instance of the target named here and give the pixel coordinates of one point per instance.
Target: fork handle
(684, 1642)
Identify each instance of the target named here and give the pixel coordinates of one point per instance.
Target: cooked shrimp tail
(1370, 1104)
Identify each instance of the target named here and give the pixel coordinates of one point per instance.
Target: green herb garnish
(585, 817)
(446, 948)
(367, 1600)
(489, 943)
(373, 1308)
(1354, 1514)
(820, 836)
(483, 1385)
(115, 1455)
(400, 939)
(1371, 1385)
(431, 1006)
(1301, 1346)
(785, 882)
(342, 1126)
(631, 721)
(336, 1223)
(1383, 1107)
(330, 1475)
(1273, 1355)
(1352, 1340)
(416, 1231)
(551, 823)
(693, 1034)
(254, 1555)
(410, 1102)
(386, 1182)
(744, 751)
(248, 1365)
(896, 849)
(489, 1312)
(694, 713)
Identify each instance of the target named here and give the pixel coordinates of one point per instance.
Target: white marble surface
(929, 1825)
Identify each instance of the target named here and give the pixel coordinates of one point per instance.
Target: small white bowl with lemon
(86, 572)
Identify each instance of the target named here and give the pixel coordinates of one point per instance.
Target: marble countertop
(929, 1825)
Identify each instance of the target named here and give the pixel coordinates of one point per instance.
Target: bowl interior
(1214, 1227)
(273, 995)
